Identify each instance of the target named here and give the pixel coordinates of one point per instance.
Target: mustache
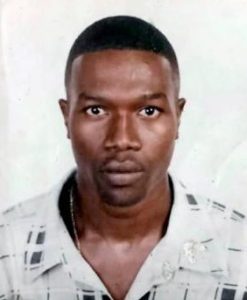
(121, 164)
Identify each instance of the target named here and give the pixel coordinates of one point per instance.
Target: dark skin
(122, 116)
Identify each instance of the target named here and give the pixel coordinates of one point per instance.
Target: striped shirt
(203, 255)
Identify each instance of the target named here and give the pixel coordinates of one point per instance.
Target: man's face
(122, 116)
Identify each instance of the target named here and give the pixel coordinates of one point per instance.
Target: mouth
(122, 174)
(122, 178)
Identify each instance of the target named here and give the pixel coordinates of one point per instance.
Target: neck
(123, 224)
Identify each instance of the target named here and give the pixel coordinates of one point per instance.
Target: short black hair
(122, 32)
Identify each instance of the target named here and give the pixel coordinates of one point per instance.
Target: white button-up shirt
(202, 256)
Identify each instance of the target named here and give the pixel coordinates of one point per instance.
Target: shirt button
(167, 271)
(193, 249)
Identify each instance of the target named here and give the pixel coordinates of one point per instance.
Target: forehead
(126, 70)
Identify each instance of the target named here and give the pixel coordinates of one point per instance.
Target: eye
(150, 111)
(95, 110)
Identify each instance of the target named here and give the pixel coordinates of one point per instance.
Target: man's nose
(122, 134)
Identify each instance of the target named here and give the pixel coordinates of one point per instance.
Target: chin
(122, 197)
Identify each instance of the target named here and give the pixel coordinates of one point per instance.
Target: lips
(122, 173)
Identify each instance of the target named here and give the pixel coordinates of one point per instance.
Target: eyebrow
(151, 96)
(154, 96)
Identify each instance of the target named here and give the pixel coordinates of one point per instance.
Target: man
(120, 227)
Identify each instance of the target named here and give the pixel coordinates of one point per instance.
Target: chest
(117, 269)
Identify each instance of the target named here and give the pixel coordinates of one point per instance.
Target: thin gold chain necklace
(72, 213)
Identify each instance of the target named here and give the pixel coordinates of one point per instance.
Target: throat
(128, 228)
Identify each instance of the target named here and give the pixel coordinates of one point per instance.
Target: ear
(64, 106)
(180, 107)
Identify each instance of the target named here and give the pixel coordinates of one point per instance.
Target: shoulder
(212, 220)
(224, 217)
(19, 220)
(25, 230)
(38, 206)
(214, 208)
(29, 210)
